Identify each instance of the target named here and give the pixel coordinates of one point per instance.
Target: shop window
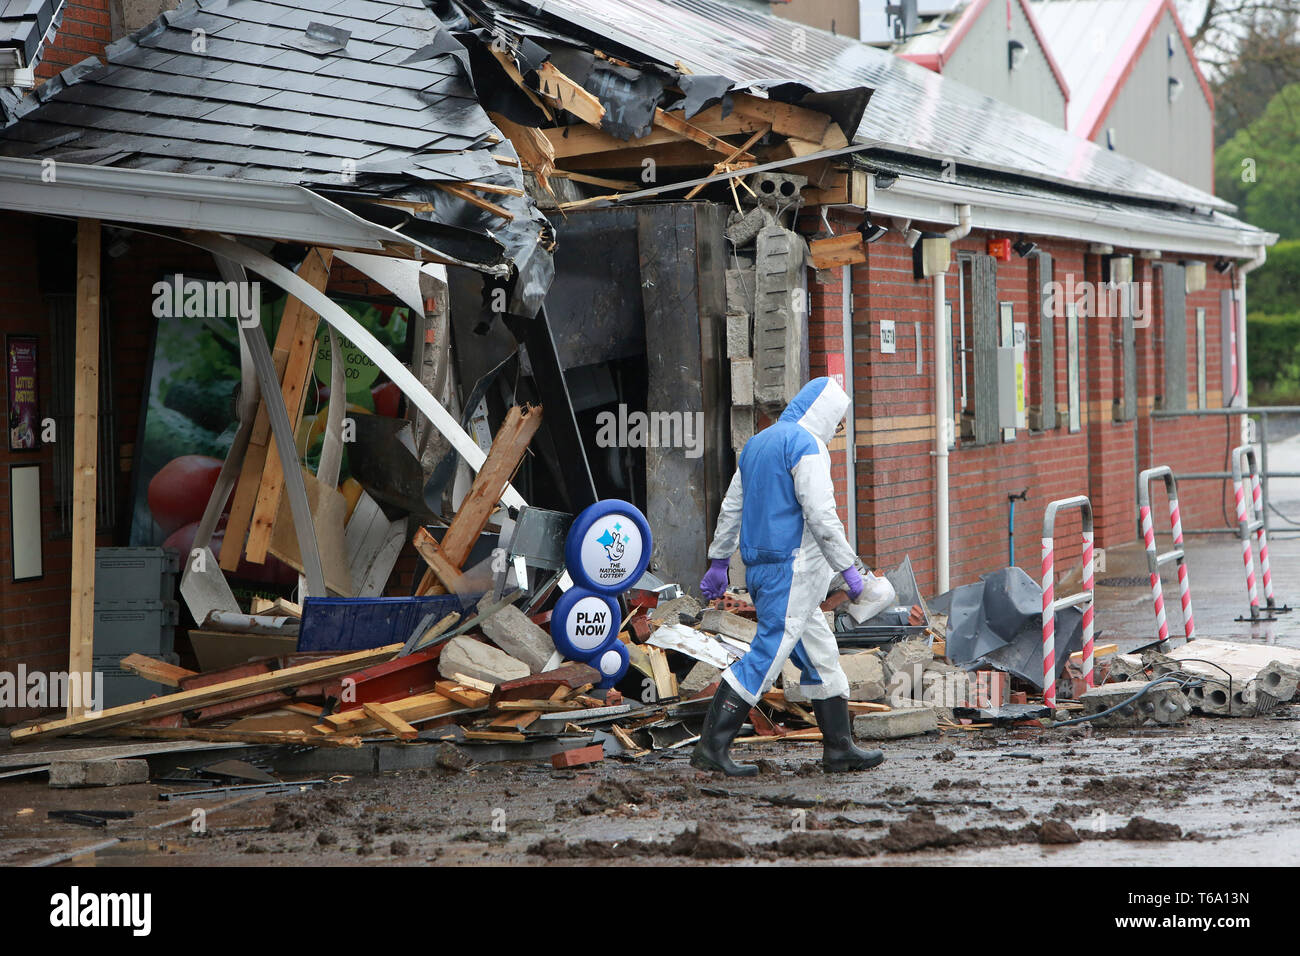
(1173, 338)
(1042, 331)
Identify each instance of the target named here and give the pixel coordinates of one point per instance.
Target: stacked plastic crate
(135, 613)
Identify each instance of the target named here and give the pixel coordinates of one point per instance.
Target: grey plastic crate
(135, 627)
(123, 687)
(135, 574)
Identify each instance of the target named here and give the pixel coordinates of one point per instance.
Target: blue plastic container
(358, 624)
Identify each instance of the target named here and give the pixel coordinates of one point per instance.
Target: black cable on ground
(1179, 679)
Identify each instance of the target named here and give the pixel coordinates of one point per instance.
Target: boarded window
(1174, 334)
(984, 313)
(1042, 410)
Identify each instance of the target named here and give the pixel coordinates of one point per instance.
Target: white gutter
(1242, 271)
(928, 200)
(243, 207)
(943, 410)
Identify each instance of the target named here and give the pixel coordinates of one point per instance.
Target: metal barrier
(1261, 415)
(1154, 559)
(1051, 605)
(1245, 467)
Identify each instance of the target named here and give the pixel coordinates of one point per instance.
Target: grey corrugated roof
(229, 88)
(912, 110)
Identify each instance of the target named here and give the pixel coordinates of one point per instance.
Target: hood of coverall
(819, 407)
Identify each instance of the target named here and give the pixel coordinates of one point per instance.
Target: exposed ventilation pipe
(943, 411)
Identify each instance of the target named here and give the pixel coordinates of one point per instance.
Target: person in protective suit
(780, 510)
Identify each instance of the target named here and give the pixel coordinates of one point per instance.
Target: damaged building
(583, 251)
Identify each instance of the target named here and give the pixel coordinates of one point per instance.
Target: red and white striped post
(1243, 521)
(1262, 537)
(1184, 585)
(1049, 625)
(1154, 559)
(1157, 593)
(1050, 602)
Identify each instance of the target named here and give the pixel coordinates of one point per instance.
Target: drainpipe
(1261, 253)
(942, 411)
(851, 432)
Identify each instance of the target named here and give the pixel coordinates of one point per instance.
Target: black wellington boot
(839, 755)
(726, 714)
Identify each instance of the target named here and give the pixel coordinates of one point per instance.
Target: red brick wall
(895, 491)
(85, 32)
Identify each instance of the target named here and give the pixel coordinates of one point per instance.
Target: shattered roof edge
(184, 201)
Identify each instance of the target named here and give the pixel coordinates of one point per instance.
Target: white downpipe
(1261, 253)
(851, 432)
(943, 411)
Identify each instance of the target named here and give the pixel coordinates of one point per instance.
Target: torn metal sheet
(998, 622)
(399, 276)
(694, 644)
(356, 333)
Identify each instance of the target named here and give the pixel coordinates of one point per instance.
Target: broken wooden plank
(786, 119)
(463, 695)
(216, 693)
(213, 735)
(509, 446)
(315, 269)
(160, 672)
(390, 721)
(568, 94)
(846, 250)
(686, 130)
(477, 201)
(496, 736)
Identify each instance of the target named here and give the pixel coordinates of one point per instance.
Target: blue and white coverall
(780, 509)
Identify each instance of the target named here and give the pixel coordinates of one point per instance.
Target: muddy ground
(1214, 791)
(1223, 792)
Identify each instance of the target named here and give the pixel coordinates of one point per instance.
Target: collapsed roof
(367, 102)
(913, 111)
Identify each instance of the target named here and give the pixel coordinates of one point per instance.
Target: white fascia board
(181, 201)
(927, 200)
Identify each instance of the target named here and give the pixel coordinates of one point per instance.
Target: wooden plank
(216, 693)
(315, 269)
(160, 672)
(786, 120)
(212, 735)
(531, 144)
(845, 250)
(571, 141)
(477, 201)
(465, 696)
(726, 164)
(676, 124)
(85, 458)
(495, 735)
(514, 721)
(665, 681)
(509, 446)
(481, 685)
(448, 575)
(548, 706)
(390, 721)
(568, 94)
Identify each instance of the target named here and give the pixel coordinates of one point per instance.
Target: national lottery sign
(608, 547)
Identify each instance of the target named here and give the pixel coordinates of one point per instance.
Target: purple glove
(854, 581)
(714, 583)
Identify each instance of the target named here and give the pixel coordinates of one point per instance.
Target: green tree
(1259, 168)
